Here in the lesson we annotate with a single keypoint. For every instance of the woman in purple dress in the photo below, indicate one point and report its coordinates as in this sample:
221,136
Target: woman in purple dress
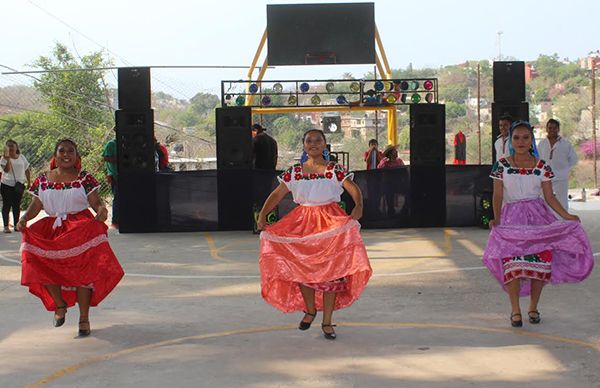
528,246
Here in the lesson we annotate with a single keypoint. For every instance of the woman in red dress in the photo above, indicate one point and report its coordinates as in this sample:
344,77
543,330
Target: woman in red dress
66,257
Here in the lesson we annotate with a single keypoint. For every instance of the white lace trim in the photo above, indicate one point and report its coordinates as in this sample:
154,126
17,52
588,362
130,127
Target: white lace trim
330,233
65,253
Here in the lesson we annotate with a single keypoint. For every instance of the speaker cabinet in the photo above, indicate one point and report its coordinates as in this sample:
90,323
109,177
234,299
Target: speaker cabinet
516,110
509,82
234,138
427,135
135,141
428,196
134,88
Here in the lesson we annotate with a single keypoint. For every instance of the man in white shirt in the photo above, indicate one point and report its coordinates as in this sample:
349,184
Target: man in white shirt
501,143
561,157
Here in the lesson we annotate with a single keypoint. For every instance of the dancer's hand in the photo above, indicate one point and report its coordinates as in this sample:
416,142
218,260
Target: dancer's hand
261,222
102,214
356,213
572,217
22,224
493,223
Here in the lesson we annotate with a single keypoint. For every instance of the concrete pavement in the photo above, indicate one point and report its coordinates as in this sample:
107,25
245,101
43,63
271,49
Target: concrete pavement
189,313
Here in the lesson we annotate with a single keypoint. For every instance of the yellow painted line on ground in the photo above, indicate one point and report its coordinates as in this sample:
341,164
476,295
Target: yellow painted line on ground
448,240
212,247
383,325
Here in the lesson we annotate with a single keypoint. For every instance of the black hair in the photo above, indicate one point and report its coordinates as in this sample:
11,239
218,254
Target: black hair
11,141
70,141
506,117
258,127
314,130
553,121
373,141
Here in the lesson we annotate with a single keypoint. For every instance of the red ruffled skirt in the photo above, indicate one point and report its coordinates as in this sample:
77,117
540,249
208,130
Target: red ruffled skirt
75,254
318,246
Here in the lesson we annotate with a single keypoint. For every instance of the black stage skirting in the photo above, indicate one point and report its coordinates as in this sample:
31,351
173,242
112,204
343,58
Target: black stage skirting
223,200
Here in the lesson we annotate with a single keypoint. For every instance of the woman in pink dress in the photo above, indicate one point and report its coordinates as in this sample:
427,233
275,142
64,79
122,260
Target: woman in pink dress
316,249
528,246
66,257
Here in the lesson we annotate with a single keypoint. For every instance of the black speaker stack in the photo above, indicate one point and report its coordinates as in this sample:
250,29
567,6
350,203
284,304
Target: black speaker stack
234,168
509,95
135,152
427,164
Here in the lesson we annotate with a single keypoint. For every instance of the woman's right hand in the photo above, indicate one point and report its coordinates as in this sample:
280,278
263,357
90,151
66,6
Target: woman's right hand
493,223
261,222
22,224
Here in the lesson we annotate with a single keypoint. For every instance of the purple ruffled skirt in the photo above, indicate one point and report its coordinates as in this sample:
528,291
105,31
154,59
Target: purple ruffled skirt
529,227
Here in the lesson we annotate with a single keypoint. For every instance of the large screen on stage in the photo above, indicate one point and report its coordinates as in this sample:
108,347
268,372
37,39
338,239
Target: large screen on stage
307,34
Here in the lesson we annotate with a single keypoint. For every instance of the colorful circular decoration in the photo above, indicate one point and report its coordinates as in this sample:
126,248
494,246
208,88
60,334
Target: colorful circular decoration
428,85
330,87
354,87
315,100
378,86
414,85
266,101
403,85
240,100
391,98
292,100
429,97
277,88
253,88
415,98
403,98
341,99
389,86
304,87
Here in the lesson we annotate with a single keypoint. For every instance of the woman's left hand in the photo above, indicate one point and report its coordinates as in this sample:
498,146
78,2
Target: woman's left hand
356,213
102,214
572,217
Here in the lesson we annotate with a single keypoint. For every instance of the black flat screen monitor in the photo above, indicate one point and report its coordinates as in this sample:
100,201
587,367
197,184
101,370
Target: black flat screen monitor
310,34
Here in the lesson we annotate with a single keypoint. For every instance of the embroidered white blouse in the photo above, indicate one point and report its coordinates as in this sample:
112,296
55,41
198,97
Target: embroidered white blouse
521,183
63,198
315,189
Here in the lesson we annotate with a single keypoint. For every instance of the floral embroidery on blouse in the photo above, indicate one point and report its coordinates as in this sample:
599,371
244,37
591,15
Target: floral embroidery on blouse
502,164
297,174
85,180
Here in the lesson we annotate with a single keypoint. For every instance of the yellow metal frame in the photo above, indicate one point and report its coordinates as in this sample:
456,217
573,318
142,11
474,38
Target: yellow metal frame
382,66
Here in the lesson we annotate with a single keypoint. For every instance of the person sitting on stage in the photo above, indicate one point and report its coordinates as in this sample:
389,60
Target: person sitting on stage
528,247
390,158
317,247
66,257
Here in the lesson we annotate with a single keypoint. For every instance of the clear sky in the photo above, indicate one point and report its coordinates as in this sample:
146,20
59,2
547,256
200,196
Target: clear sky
426,33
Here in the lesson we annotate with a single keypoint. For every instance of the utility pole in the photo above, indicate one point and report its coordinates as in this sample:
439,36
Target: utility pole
595,62
500,45
479,112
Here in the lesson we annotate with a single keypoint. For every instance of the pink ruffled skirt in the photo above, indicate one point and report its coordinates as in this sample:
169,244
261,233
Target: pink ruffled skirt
318,246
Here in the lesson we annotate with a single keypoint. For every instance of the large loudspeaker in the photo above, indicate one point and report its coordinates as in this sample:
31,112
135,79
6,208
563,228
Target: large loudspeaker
234,138
135,141
509,81
428,195
134,88
516,110
427,135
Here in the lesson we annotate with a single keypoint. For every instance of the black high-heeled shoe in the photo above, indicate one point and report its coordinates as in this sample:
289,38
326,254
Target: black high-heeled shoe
514,323
329,336
84,332
58,322
306,325
535,319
